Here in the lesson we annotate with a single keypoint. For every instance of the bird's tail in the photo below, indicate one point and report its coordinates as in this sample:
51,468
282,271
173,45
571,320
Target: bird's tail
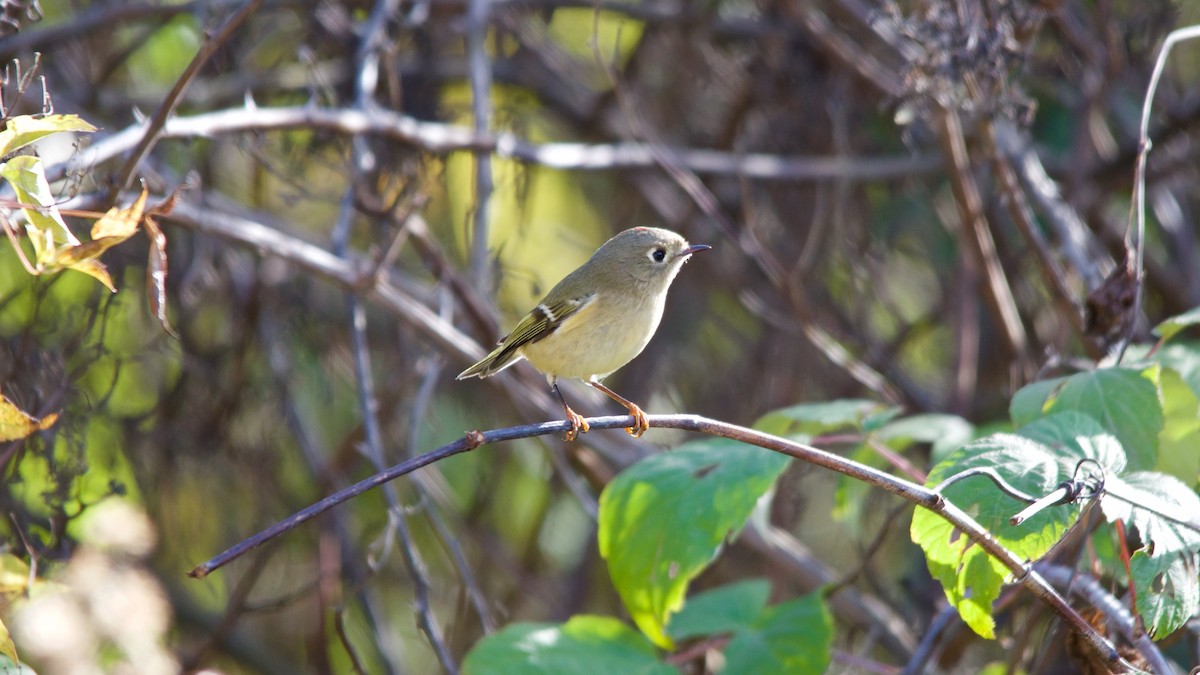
500,358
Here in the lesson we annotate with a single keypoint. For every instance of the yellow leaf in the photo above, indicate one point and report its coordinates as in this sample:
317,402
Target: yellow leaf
25,129
37,202
16,423
7,646
120,222
95,269
72,255
14,577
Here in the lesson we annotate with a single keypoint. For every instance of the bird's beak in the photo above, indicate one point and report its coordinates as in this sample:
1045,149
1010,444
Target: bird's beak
694,248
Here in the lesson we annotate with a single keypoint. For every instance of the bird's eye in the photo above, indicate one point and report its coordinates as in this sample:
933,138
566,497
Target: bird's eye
658,255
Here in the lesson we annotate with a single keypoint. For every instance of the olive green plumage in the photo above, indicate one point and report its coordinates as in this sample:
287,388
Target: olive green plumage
599,317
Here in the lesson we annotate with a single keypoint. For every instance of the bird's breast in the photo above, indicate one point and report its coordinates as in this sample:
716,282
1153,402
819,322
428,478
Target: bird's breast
600,338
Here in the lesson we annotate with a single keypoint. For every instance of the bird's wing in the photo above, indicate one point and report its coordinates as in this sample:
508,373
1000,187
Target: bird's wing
536,325
544,320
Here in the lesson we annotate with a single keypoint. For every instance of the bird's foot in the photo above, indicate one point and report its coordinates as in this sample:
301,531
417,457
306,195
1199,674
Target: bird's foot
640,422
578,425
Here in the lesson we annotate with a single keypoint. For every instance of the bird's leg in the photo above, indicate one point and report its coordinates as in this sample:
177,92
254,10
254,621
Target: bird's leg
578,424
640,423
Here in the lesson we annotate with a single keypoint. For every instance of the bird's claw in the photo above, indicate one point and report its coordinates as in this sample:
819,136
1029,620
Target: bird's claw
578,425
640,422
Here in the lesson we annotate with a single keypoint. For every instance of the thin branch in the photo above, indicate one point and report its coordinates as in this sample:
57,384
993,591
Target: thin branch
1021,214
481,109
947,619
808,573
438,138
1137,213
1090,589
153,127
687,180
917,494
977,237
990,473
362,162
1074,240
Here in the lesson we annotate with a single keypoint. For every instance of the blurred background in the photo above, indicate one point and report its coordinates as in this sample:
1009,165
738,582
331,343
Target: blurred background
917,203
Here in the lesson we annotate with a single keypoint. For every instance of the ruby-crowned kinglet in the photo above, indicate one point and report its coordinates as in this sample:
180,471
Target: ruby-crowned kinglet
597,318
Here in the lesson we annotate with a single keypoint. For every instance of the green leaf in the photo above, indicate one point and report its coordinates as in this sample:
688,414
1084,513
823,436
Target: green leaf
819,418
664,519
791,637
944,433
1029,403
1166,515
575,647
1182,357
1125,400
1168,591
1164,511
1179,442
1171,327
721,610
969,576
28,181
1074,436
25,129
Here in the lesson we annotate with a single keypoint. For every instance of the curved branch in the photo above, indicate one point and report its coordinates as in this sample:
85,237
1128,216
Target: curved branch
917,494
441,138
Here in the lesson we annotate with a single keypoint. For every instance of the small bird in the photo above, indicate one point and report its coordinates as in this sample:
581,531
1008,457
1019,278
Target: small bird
598,318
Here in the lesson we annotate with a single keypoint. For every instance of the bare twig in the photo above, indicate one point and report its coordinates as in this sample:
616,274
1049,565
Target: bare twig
807,572
1088,588
481,108
919,495
1137,210
362,162
945,620
150,132
977,237
441,138
1021,214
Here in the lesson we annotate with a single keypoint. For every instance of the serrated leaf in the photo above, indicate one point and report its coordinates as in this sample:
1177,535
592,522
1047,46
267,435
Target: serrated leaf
969,576
1074,436
819,418
1171,327
1168,590
791,637
1166,515
1163,510
664,519
22,130
576,647
721,610
16,423
1125,400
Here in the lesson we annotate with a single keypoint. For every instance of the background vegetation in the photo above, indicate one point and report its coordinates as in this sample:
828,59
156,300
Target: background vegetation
917,209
